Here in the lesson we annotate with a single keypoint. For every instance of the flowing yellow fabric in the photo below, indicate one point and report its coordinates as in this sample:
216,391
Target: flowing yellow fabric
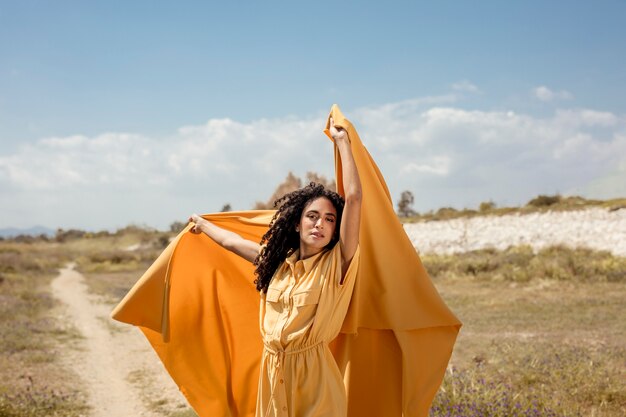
198,307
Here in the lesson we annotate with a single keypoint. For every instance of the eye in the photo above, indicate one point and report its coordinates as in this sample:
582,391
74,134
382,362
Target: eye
330,220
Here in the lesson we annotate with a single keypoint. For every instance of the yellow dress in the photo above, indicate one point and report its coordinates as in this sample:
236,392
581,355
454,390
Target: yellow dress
302,312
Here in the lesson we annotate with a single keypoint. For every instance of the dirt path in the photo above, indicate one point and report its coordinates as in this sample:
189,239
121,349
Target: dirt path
122,374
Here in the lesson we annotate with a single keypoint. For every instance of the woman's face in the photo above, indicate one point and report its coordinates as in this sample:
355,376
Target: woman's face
317,226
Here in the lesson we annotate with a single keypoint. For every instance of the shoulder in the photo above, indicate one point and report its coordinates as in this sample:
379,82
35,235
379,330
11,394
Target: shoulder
333,251
336,253
332,256
343,271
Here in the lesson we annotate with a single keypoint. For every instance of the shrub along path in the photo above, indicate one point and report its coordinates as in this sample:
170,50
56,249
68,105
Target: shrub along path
115,362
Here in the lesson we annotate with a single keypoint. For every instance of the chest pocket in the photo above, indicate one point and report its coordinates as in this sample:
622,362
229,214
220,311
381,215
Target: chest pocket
273,295
306,297
273,310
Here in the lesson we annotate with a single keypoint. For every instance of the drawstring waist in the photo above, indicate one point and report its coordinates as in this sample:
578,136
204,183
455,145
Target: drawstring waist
280,356
282,352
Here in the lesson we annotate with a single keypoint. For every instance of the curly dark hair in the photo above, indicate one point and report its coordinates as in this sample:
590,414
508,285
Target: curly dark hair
282,239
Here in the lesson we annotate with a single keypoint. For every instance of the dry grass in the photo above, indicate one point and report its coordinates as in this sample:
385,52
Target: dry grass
540,347
539,204
130,250
31,381
155,402
112,286
521,264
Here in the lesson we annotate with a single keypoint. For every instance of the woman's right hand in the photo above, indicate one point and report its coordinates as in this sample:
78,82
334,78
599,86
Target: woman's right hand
337,133
197,221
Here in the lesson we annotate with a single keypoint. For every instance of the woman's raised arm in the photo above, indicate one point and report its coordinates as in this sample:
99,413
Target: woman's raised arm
351,217
231,241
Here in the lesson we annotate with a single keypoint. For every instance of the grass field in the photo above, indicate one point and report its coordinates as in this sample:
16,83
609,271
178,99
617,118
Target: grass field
33,333
543,333
541,348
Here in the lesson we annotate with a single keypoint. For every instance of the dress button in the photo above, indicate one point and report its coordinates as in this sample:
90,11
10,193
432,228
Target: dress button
281,381
285,408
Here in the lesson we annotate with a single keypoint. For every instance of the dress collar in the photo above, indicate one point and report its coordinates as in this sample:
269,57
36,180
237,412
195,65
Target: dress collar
292,260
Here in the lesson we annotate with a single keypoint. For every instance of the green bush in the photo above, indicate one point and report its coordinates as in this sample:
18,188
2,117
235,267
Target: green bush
544,200
486,206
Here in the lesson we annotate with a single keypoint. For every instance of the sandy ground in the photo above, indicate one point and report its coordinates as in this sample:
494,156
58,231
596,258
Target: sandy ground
121,373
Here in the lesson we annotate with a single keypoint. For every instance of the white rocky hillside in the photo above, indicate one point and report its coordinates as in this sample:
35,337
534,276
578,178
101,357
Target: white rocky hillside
596,228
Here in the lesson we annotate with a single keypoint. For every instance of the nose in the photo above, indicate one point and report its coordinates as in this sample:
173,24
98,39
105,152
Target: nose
319,224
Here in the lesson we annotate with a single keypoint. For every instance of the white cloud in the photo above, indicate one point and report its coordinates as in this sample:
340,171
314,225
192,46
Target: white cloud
59,163
444,154
543,93
439,165
612,183
586,117
465,86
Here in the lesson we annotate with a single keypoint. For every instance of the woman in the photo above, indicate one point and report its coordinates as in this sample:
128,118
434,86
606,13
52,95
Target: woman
306,266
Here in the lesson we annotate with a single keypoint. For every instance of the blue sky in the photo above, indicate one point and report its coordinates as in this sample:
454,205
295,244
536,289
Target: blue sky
124,112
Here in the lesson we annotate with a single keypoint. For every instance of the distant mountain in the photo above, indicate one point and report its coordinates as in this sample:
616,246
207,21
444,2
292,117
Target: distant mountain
32,231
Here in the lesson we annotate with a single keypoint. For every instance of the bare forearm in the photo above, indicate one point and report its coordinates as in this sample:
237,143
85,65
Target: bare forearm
220,236
350,176
231,241
351,217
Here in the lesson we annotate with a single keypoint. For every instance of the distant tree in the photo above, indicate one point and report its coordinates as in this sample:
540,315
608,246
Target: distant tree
544,200
226,207
446,213
22,238
65,235
292,183
405,204
162,241
487,205
177,226
321,179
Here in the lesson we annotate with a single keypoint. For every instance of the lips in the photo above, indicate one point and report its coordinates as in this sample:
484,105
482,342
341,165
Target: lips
316,234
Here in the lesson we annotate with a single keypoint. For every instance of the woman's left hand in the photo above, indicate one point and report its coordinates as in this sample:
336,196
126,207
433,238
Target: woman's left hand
337,133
